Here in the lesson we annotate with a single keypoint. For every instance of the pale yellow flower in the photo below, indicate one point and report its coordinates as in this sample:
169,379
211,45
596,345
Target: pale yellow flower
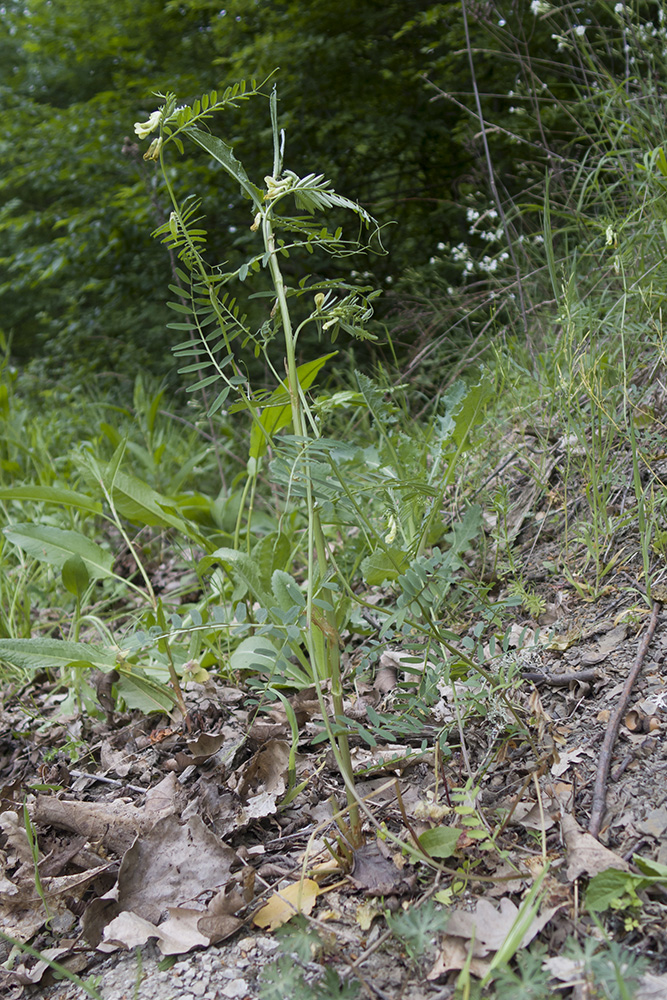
143,129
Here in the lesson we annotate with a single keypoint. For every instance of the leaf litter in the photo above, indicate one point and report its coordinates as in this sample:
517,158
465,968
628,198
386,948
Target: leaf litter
187,839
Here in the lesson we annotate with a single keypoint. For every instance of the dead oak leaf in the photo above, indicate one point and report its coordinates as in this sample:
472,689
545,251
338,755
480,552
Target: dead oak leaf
115,824
171,865
490,926
585,854
186,928
454,955
488,929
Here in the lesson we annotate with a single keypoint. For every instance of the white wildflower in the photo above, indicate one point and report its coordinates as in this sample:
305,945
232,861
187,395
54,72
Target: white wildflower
540,7
144,129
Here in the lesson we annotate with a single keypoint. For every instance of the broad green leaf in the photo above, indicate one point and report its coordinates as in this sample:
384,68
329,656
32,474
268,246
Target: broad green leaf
224,154
141,693
54,654
611,886
286,591
256,653
240,567
52,494
270,553
382,566
75,575
140,504
56,545
615,887
259,654
650,867
440,841
277,411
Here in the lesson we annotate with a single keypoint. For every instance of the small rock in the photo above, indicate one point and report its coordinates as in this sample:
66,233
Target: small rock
246,943
199,988
236,988
267,945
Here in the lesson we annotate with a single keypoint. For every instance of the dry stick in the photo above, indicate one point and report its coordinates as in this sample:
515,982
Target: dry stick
560,680
604,763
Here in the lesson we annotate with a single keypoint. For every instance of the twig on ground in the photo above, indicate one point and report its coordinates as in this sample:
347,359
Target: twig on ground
103,780
560,680
604,763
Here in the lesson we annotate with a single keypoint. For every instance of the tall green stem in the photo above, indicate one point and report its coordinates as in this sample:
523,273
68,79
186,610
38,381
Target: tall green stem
322,636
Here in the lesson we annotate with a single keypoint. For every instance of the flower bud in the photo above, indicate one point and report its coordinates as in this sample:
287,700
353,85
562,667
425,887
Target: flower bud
153,151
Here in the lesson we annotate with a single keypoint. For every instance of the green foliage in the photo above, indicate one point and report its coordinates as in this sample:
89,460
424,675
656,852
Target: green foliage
79,278
291,974
617,890
530,980
416,928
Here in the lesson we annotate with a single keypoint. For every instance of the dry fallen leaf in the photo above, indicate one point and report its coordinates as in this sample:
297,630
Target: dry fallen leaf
454,955
585,854
490,926
17,835
367,912
376,873
487,928
22,910
300,897
165,869
605,646
567,757
114,824
171,865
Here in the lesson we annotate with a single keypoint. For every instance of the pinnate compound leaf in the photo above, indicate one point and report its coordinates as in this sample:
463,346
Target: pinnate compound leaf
466,530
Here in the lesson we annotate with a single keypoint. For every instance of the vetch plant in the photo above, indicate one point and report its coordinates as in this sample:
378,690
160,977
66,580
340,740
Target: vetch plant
306,617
